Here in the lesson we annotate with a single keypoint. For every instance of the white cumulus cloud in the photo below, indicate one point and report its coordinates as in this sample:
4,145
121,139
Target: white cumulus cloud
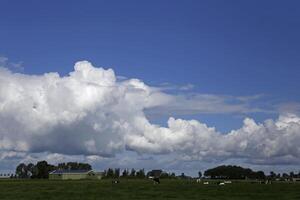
90,112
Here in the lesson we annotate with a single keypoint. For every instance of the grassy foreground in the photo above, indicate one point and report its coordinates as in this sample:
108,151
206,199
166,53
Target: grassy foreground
143,189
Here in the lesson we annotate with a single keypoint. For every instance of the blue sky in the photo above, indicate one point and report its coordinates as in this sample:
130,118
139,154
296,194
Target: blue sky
232,47
223,48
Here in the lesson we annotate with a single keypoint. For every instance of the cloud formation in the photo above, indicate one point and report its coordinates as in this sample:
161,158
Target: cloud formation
270,142
90,112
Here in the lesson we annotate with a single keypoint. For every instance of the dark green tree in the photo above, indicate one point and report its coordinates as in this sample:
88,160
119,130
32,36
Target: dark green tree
260,175
125,173
30,170
272,175
233,172
285,176
74,166
132,173
43,169
182,176
140,173
199,174
164,175
109,173
172,175
21,171
117,173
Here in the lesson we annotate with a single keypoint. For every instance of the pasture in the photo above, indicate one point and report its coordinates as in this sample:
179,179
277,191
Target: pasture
143,189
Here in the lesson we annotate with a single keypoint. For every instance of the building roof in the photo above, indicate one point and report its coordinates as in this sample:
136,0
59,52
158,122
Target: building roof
66,171
155,172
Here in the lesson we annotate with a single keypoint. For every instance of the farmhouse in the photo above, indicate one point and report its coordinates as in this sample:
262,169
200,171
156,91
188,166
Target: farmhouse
74,174
154,173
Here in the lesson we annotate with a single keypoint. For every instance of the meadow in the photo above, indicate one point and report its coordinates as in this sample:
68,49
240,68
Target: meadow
144,189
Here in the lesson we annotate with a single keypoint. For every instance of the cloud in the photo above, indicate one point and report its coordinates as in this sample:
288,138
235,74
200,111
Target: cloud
4,62
187,87
270,142
91,113
169,87
87,112
191,104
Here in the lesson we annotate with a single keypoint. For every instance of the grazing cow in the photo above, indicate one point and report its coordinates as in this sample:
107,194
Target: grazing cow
268,182
155,179
154,175
115,181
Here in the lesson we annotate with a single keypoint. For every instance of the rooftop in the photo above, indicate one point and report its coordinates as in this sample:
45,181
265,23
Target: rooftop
66,171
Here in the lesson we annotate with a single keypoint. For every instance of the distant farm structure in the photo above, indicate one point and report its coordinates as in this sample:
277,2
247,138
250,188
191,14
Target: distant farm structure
74,174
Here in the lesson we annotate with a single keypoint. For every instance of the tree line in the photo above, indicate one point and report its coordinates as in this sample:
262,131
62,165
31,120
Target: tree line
41,169
237,172
233,172
134,173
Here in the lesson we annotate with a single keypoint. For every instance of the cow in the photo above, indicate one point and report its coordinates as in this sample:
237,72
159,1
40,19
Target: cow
116,181
155,179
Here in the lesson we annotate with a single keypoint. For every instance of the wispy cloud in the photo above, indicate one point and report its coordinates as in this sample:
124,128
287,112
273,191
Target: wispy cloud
172,87
187,87
13,66
195,103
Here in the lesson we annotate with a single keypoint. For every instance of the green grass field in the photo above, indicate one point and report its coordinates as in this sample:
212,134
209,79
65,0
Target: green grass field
143,189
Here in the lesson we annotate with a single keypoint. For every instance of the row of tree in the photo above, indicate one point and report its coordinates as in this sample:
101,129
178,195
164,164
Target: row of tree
290,175
133,173
41,169
237,172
